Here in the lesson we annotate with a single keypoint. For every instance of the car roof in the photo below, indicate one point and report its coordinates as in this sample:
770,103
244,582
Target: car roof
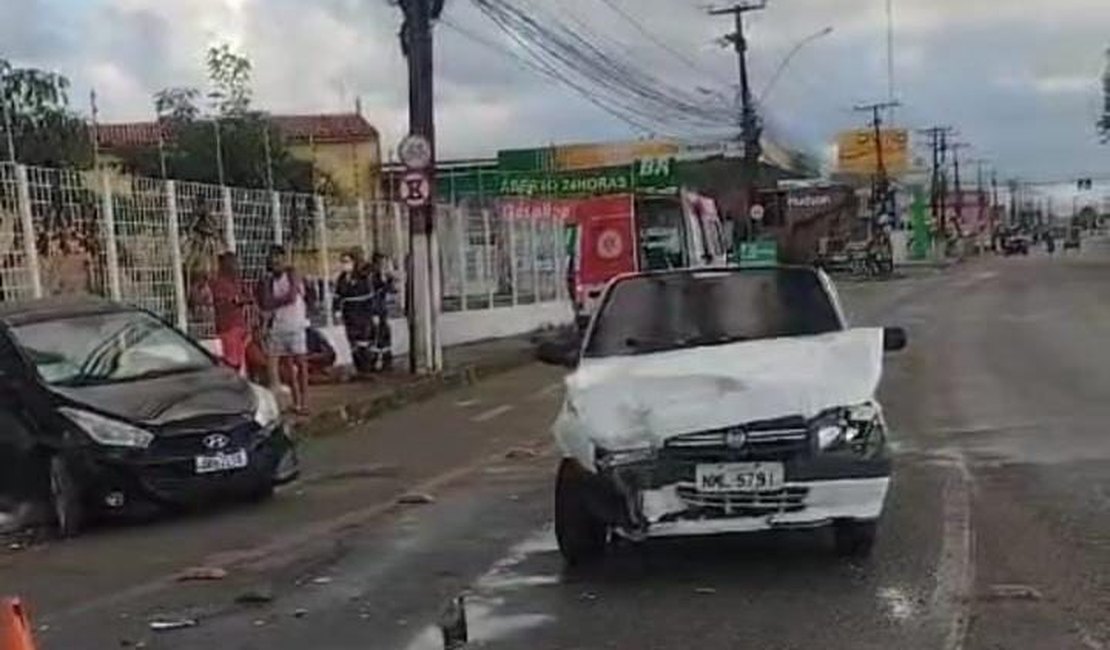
702,270
23,312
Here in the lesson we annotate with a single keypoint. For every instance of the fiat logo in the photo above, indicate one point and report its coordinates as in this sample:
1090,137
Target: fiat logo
735,438
216,441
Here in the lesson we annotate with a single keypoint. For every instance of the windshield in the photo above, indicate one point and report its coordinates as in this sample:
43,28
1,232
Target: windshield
681,310
107,348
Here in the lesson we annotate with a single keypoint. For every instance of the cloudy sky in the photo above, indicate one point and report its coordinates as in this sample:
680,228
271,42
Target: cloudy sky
1018,78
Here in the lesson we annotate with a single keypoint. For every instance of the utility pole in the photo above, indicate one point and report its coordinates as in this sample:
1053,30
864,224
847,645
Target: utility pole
937,136
749,120
955,147
416,44
880,193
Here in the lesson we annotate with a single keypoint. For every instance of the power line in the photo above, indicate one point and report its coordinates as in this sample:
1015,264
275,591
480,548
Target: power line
690,63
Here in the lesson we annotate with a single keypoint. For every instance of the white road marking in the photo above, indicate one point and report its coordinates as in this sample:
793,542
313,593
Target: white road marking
951,599
546,391
494,412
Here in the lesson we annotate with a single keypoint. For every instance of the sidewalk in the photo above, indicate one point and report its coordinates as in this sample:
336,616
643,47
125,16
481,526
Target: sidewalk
340,406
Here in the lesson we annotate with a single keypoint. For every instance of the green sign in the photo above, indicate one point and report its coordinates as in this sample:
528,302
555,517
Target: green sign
759,253
644,175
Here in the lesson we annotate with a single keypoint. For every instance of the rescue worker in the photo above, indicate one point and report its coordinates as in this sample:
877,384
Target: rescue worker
383,285
354,297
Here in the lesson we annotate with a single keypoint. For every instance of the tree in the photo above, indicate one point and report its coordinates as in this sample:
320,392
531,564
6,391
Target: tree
230,76
44,131
190,151
1104,121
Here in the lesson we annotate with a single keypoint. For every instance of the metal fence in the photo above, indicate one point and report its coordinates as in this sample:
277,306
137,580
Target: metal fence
154,243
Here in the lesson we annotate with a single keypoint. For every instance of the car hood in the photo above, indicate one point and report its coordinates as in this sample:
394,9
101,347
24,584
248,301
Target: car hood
162,400
622,402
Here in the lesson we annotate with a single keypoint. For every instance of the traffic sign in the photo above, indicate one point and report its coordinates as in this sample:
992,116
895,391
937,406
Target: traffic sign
757,212
415,151
610,244
416,190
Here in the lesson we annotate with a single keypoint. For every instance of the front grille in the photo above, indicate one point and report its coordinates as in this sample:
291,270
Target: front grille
787,499
187,439
779,439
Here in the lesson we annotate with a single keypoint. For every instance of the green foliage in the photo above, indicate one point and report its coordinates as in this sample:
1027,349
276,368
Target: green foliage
1104,121
230,76
43,128
177,104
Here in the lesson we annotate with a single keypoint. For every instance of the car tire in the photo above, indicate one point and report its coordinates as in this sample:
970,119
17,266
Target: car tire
855,539
581,535
66,499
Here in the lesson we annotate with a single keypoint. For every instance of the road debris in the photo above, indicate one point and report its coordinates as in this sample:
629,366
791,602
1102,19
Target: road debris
300,613
521,453
202,573
322,580
1013,592
256,596
705,591
170,624
416,499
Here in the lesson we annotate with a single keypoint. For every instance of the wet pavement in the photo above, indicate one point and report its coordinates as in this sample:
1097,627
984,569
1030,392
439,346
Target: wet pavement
996,533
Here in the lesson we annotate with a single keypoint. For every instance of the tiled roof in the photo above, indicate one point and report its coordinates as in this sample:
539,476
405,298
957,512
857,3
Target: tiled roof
298,129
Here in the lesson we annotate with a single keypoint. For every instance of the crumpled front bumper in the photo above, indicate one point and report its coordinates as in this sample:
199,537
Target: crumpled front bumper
671,511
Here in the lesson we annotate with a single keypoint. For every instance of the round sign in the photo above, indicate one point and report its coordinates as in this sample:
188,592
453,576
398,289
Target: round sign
415,189
415,151
610,244
757,212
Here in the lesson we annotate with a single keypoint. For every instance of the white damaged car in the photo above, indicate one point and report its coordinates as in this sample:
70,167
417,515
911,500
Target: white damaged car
722,401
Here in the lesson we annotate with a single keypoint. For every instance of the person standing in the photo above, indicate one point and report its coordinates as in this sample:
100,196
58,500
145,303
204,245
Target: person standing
283,296
229,308
383,285
354,296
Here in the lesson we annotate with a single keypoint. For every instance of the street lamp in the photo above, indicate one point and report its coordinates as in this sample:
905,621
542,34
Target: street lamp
790,57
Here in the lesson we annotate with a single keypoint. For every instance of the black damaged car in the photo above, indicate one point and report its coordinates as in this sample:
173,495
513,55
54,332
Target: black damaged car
105,407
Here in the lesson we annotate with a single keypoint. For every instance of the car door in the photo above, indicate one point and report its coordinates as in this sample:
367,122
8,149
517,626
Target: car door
17,441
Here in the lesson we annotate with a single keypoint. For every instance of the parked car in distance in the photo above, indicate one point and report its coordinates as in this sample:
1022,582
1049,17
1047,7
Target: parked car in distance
107,407
711,401
1015,243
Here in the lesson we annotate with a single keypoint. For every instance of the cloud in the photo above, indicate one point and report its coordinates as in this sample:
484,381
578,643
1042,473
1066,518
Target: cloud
1019,79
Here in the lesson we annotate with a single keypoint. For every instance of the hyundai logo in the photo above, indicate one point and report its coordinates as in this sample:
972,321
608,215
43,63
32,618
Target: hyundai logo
735,438
216,441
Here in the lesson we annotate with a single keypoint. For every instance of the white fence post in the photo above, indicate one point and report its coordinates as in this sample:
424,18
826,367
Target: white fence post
176,260
488,278
229,220
534,253
462,219
110,243
363,235
275,215
30,249
325,263
511,223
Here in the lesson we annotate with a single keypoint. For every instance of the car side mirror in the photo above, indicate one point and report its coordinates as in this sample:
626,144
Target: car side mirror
558,353
894,339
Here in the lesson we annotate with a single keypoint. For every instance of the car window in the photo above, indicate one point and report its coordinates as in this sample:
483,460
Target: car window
661,233
106,348
655,313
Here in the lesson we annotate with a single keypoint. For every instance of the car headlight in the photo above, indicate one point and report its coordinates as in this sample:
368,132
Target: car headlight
266,408
855,428
107,431
605,458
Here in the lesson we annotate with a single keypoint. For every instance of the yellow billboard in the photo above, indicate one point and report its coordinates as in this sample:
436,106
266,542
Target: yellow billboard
856,152
592,156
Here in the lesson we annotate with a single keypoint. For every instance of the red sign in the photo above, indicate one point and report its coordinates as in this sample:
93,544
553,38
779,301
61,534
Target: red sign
607,238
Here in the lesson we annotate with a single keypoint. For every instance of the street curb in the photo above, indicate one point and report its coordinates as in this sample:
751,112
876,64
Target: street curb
340,419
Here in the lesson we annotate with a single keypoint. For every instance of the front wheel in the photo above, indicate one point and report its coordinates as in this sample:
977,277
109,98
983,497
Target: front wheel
66,499
581,535
855,539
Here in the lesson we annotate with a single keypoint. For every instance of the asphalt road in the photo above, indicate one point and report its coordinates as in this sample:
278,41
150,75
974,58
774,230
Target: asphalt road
996,535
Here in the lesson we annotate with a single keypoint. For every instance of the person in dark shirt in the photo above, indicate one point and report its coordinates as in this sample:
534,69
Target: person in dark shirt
383,285
354,302
229,306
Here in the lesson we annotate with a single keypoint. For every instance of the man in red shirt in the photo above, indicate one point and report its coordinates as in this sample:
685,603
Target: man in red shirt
228,303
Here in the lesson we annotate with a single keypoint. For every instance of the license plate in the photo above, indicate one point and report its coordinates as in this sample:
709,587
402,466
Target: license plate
221,462
740,477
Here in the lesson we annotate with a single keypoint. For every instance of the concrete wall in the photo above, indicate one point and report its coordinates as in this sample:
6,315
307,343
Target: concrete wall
461,327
